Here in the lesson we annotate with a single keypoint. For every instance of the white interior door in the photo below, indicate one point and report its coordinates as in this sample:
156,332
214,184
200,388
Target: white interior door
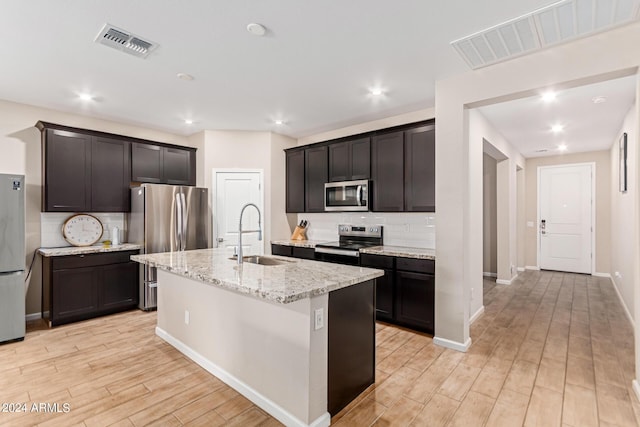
233,191
565,221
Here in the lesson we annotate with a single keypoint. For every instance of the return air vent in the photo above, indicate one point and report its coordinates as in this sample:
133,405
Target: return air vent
125,41
562,21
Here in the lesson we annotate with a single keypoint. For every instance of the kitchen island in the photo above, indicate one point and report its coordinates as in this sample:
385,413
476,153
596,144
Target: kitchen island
296,338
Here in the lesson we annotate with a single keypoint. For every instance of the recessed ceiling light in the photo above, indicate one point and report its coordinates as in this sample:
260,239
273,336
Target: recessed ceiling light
598,99
549,96
188,122
562,147
256,29
557,128
85,96
376,91
185,76
278,122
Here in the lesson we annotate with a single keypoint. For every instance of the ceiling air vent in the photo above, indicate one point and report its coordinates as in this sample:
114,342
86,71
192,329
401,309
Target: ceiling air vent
553,24
125,41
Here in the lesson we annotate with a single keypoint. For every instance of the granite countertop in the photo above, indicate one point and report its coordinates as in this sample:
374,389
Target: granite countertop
293,280
401,251
81,250
298,243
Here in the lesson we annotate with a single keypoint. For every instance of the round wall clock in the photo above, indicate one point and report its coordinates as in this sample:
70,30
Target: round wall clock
82,230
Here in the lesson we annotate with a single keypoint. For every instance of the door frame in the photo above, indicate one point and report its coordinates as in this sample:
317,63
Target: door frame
214,196
592,165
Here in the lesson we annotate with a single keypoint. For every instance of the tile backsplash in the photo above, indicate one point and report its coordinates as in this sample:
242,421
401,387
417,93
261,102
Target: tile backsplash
417,230
51,227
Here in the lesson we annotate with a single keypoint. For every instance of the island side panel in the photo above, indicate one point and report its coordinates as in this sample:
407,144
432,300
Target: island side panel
352,330
273,348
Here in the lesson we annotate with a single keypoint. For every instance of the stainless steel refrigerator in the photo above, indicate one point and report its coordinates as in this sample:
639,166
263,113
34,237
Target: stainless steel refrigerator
167,218
12,256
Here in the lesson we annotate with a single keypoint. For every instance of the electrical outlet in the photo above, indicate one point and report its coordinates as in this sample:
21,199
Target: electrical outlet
318,319
187,317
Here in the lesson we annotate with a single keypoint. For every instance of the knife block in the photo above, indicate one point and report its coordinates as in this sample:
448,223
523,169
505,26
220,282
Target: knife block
299,233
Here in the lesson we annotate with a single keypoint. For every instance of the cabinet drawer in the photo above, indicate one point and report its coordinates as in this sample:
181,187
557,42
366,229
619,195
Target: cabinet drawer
304,253
91,260
417,265
376,261
281,250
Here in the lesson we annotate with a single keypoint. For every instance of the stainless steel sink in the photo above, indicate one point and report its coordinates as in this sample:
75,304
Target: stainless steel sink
262,260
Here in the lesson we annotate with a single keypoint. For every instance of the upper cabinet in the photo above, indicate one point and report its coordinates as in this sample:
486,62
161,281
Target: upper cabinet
89,171
316,175
163,165
349,160
295,181
400,162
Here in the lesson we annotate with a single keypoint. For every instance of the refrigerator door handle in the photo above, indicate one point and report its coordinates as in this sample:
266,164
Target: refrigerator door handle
183,212
179,226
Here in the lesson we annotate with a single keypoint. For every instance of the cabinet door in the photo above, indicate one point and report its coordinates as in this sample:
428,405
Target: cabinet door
420,169
295,181
339,162
303,253
316,175
74,294
118,286
281,250
415,299
384,296
179,166
67,172
360,157
110,175
146,163
387,172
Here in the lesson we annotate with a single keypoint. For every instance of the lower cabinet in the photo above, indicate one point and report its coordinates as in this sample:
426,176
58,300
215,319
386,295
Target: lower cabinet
293,251
78,287
405,294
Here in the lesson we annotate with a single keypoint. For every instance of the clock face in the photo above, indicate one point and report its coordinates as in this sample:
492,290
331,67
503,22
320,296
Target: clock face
82,230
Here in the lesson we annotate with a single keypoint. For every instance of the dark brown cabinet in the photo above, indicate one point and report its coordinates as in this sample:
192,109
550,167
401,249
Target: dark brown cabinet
295,181
162,165
349,160
316,175
415,293
420,169
293,251
78,287
387,172
385,292
84,173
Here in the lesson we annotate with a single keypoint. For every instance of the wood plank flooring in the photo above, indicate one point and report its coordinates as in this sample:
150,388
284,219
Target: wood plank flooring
552,349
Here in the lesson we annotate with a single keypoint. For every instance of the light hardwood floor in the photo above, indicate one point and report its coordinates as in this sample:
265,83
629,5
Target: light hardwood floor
551,349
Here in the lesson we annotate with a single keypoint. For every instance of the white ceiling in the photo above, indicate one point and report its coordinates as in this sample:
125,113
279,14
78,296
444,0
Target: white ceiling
312,69
526,123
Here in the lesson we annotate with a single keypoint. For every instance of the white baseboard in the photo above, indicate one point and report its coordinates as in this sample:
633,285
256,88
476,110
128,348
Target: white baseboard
453,345
477,314
596,274
247,391
487,274
33,316
532,267
636,388
626,309
504,282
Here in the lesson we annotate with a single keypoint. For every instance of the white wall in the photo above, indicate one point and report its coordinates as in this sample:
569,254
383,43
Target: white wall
252,150
622,218
459,239
21,154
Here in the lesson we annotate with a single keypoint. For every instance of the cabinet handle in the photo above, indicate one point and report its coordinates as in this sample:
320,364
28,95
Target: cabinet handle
81,256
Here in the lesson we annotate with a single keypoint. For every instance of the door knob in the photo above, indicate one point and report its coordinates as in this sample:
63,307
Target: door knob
543,226
220,239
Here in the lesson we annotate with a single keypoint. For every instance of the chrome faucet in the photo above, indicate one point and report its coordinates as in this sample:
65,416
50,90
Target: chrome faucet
240,232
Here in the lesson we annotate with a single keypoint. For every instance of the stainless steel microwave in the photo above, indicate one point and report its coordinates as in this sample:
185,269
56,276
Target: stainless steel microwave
347,196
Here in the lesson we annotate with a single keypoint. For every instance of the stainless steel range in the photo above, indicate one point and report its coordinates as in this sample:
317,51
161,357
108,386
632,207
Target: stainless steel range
352,238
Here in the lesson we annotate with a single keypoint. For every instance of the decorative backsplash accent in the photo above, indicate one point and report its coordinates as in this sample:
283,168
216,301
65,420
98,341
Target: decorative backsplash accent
51,227
416,230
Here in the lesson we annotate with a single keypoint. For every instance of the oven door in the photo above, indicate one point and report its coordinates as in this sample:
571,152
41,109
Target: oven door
337,256
346,196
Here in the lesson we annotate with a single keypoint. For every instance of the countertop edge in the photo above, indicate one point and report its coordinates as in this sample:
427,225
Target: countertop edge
82,250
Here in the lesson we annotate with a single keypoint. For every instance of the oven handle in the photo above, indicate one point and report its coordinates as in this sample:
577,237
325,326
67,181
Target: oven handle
337,252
